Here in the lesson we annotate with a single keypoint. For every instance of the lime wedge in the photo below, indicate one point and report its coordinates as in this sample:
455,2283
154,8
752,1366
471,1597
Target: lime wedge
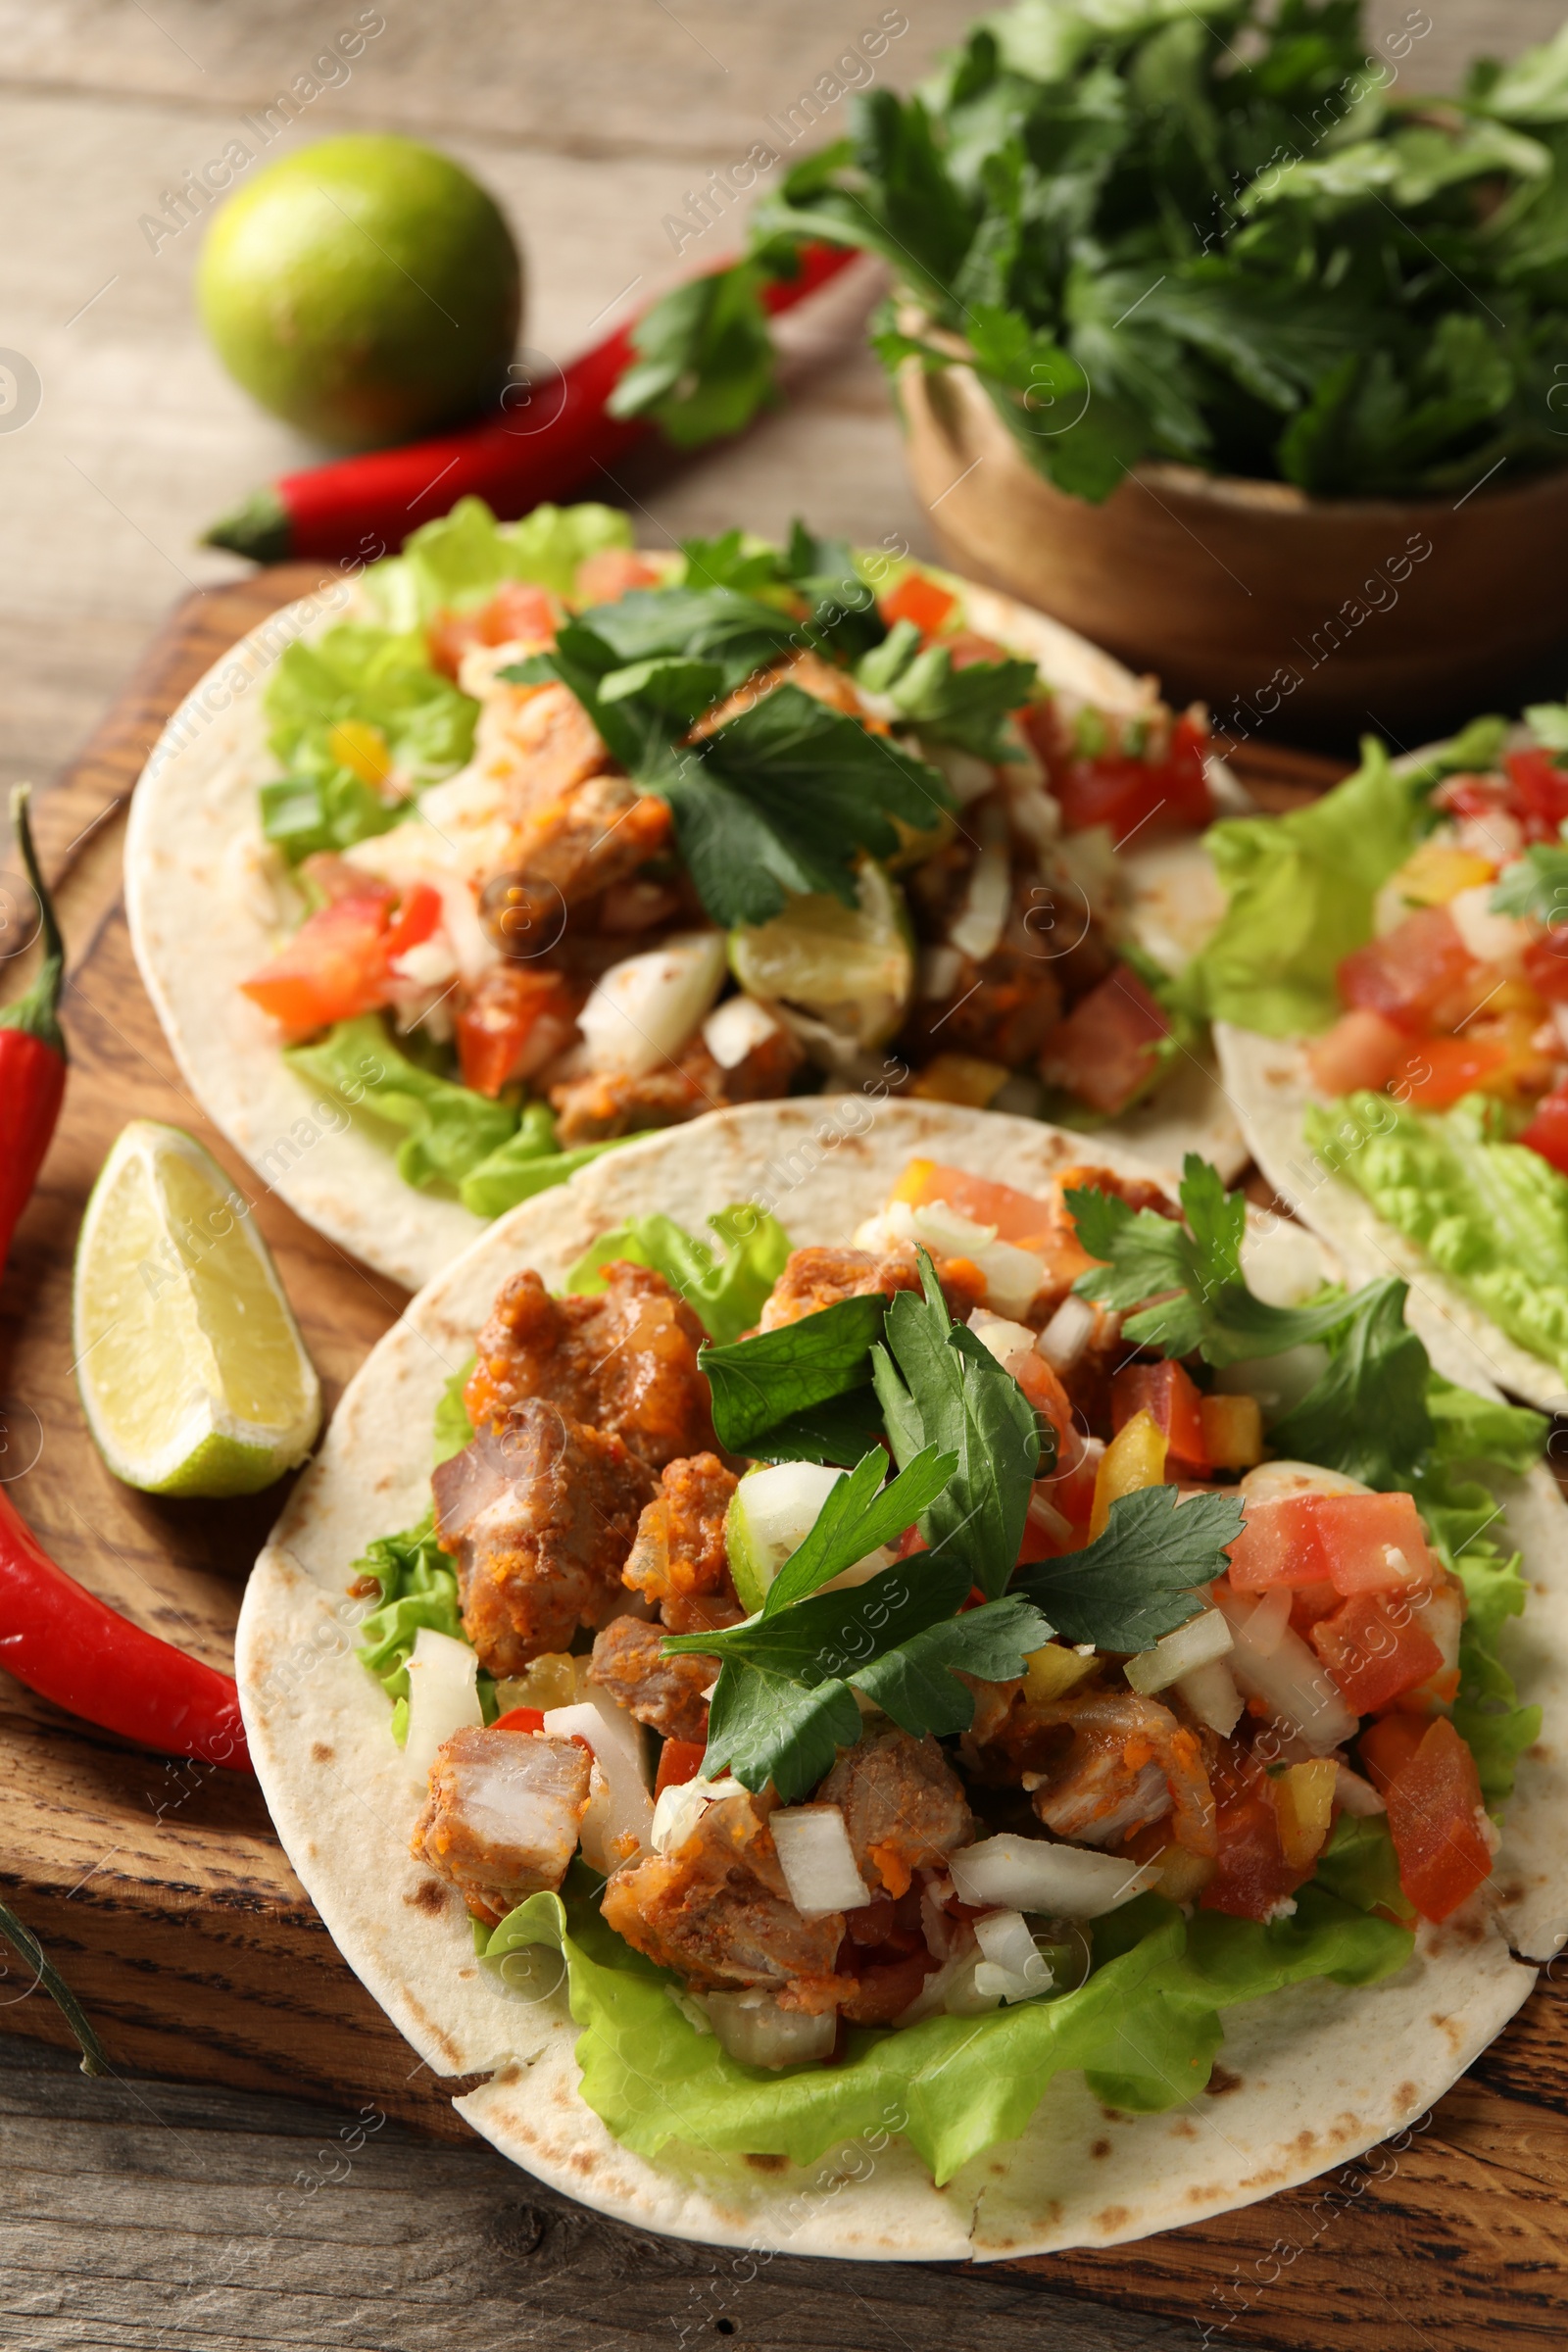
193,1375
839,976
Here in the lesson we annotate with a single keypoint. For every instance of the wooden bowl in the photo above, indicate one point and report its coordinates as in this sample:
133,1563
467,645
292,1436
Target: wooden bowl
1313,617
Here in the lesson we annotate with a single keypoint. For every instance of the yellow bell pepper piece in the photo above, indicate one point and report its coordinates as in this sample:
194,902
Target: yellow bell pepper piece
362,749
1233,1431
1303,1800
961,1078
1050,1673
1134,1458
1437,873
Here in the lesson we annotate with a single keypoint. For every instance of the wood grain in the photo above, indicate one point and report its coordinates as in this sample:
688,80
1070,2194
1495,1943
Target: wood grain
162,1892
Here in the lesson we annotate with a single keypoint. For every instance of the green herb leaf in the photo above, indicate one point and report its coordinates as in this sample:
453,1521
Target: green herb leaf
725,1289
1140,1579
938,1385
759,1382
1536,886
705,357
858,1517
1367,1416
764,1725
918,1684
966,706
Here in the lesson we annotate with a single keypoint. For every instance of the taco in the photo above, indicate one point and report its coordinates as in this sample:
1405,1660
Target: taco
447,881
1389,990
1161,1707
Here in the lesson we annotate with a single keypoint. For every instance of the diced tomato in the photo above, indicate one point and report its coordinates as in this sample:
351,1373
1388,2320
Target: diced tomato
333,967
1374,1650
516,611
1548,1131
519,1718
1412,975
679,1762
1071,1488
1357,1542
917,599
606,575
1361,1050
1310,1603
1538,792
517,1018
1044,1393
1546,962
1018,1218
419,915
1437,1823
1106,1049
1252,1877
1121,790
1387,1745
1167,1395
1447,1067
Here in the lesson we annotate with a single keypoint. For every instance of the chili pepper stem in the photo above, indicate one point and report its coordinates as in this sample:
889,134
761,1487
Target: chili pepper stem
37,1012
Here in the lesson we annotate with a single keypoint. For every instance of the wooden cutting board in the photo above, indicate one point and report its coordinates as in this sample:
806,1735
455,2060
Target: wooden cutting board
160,1892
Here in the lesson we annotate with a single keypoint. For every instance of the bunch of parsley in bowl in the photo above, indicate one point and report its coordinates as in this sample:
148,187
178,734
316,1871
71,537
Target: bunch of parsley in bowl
1211,340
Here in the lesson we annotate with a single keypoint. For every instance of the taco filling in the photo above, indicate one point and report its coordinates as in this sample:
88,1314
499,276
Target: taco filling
1424,952
572,843
900,1671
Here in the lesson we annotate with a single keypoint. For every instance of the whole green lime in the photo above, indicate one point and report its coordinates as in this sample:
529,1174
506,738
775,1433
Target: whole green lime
367,289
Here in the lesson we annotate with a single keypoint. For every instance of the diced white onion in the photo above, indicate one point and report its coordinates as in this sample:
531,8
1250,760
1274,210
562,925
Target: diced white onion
1269,1622
736,1029
1007,1942
681,1808
754,2029
1288,1677
1211,1693
431,964
1198,1642
644,1009
620,1807
1272,1480
1012,1277
939,971
1283,1263
1031,1873
1087,862
977,933
443,1694
1354,1795
818,1860
1067,1334
1497,939
1004,1338
971,778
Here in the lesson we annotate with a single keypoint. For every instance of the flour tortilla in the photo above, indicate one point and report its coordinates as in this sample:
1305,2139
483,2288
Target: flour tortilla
203,918
1319,2072
1268,1079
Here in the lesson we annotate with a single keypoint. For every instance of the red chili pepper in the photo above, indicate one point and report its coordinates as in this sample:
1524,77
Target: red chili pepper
372,502
33,1052
67,1646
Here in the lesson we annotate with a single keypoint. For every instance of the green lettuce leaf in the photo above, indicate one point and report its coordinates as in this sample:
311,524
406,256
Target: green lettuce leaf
460,559
1467,1428
526,1163
726,1289
418,1587
383,679
1492,1215
1145,2026
1359,1864
451,1130
453,1428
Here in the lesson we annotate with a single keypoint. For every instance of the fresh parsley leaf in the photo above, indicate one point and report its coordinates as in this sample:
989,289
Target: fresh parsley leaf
838,1431
759,1382
965,707
917,1684
763,1726
1536,886
681,689
1197,1264
857,1518
1367,1416
843,620
705,357
786,798
726,562
1139,1580
938,1385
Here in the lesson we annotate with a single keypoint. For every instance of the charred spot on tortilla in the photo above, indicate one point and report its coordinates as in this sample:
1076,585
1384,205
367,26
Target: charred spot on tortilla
321,1751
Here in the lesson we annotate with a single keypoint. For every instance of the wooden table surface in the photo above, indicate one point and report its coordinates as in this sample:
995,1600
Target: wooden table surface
140,2214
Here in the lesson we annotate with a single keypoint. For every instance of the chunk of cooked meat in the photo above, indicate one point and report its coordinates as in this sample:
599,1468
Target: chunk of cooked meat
623,1360
502,1818
666,1692
611,1103
820,1277
539,1513
678,1560
565,852
539,738
1099,1764
718,1912
518,1017
823,680
904,1807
